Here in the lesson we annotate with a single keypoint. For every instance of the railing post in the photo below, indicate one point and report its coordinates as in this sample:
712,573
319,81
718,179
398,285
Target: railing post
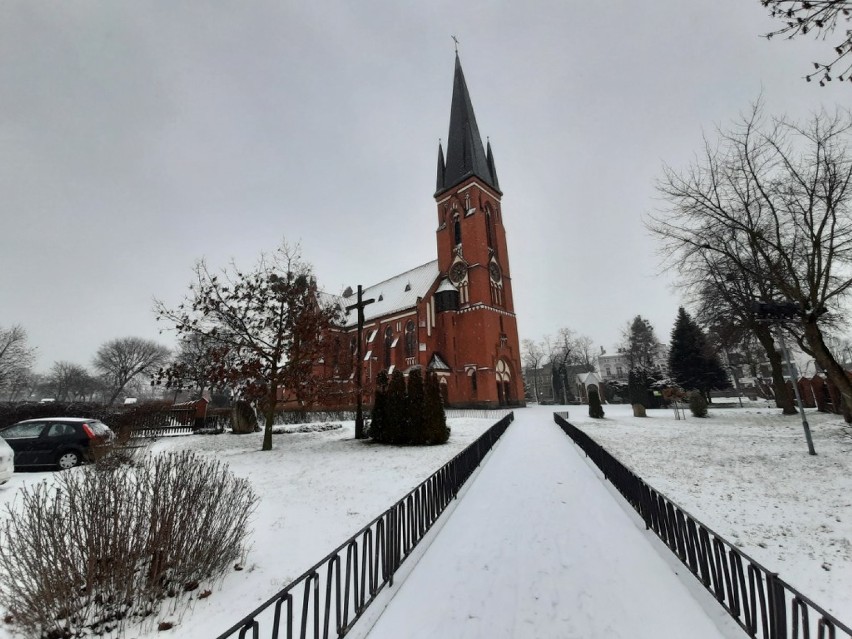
777,607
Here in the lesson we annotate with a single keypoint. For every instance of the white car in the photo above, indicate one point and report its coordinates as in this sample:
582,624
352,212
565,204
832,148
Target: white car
7,461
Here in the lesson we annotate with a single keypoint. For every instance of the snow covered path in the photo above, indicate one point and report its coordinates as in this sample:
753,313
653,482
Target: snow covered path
538,547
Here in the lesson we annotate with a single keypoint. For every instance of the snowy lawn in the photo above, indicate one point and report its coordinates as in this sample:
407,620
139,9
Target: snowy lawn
315,491
746,474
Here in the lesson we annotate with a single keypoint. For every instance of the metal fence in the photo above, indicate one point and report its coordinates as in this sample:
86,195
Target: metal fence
758,599
455,413
330,597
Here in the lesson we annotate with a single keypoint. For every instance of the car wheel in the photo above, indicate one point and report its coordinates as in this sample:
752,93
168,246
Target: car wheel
68,459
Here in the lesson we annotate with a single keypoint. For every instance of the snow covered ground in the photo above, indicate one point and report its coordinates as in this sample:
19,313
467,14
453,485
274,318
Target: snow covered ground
746,474
316,490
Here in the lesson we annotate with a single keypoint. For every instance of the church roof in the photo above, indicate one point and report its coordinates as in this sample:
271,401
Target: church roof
466,157
395,294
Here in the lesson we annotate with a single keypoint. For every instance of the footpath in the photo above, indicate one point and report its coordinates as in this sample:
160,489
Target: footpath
539,547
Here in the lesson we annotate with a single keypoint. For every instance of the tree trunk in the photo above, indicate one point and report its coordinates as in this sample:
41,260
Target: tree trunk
783,396
269,416
833,370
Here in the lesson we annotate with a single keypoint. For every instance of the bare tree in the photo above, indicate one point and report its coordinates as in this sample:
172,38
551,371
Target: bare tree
121,360
774,198
16,357
533,353
71,381
724,293
820,18
265,330
567,353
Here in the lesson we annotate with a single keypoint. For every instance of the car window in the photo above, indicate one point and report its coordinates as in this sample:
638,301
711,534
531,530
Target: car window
19,431
60,430
99,428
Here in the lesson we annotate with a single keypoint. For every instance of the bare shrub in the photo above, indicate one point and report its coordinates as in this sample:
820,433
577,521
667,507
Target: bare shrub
106,545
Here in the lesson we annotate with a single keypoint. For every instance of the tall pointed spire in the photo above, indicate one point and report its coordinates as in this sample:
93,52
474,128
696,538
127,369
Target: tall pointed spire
466,156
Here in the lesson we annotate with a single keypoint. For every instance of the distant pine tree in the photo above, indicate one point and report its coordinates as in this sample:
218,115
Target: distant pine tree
691,361
595,408
379,418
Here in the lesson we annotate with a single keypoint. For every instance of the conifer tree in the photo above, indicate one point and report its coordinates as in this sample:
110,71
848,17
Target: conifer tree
640,347
691,362
396,410
379,417
416,407
595,408
436,419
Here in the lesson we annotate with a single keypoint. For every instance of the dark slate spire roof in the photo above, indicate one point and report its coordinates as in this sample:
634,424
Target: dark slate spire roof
466,156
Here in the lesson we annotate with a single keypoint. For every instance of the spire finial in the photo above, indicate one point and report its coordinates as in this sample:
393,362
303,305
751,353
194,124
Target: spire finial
456,41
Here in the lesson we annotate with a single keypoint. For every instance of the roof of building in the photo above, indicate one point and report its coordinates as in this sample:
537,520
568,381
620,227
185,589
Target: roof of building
395,294
466,157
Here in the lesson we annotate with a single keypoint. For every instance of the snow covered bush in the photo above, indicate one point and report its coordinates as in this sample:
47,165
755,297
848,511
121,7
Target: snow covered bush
104,546
697,403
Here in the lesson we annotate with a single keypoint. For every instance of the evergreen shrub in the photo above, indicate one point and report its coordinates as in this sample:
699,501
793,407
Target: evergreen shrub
595,408
408,414
697,403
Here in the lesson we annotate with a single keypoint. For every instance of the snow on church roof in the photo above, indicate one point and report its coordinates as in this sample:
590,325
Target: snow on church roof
395,294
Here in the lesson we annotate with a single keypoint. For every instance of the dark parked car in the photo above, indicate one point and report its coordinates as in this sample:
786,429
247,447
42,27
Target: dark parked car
57,441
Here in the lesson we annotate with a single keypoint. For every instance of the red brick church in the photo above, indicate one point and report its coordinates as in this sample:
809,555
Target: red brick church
453,316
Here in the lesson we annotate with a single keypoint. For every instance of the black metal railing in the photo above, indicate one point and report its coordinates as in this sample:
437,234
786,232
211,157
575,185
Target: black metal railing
330,597
479,413
758,599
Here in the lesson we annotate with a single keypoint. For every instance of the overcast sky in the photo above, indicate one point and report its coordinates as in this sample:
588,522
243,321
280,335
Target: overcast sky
137,137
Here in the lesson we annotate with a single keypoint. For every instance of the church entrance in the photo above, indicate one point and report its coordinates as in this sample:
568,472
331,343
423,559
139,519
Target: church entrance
504,384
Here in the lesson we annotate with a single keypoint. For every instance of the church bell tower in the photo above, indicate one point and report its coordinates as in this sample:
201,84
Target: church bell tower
473,259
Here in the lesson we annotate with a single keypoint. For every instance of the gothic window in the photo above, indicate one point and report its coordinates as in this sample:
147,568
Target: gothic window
489,232
388,346
335,355
410,339
353,347
457,229
504,386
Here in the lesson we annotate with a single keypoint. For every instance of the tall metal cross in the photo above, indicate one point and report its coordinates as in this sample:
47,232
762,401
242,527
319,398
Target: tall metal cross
456,40
359,411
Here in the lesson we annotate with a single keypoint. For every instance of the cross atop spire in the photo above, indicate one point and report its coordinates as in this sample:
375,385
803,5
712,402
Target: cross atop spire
466,155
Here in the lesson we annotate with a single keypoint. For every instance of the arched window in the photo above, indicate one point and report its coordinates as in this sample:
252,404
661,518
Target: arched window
504,385
353,347
335,355
410,339
457,229
388,346
489,231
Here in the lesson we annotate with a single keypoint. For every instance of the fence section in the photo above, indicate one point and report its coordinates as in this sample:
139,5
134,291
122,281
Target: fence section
759,600
330,597
456,413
